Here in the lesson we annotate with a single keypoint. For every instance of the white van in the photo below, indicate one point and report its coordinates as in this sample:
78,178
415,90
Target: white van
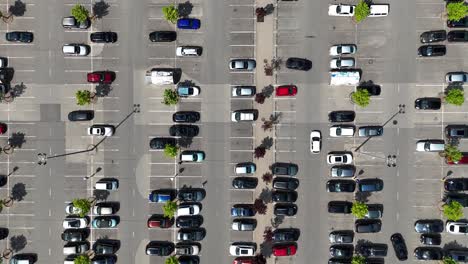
160,76
379,10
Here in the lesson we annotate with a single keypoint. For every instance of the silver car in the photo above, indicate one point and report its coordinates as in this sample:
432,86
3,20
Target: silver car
342,171
341,63
241,91
456,77
242,64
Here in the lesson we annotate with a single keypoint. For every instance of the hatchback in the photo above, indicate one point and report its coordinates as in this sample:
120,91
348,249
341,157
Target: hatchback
245,168
188,23
428,253
103,37
283,183
244,183
370,131
106,77
161,142
192,234
159,248
341,186
81,115
429,226
286,90
189,221
462,23
105,222
187,90
159,221
191,194
242,64
368,226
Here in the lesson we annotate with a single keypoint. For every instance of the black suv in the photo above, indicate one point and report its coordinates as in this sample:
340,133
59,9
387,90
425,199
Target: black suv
341,116
457,36
462,23
460,131
341,186
193,221
368,226
286,234
399,246
429,226
186,117
184,131
286,209
428,103
284,196
339,207
298,64
432,50
161,142
456,184
281,168
433,36
159,248
163,36
103,37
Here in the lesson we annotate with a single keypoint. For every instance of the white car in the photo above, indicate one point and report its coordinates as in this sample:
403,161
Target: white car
315,141
341,10
456,77
430,145
339,158
78,222
76,49
101,130
244,115
71,209
108,184
457,228
342,131
340,63
340,49
379,10
189,51
188,209
192,156
245,168
242,64
241,91
242,250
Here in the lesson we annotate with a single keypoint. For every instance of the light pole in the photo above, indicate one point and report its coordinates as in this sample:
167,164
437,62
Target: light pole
43,158
92,175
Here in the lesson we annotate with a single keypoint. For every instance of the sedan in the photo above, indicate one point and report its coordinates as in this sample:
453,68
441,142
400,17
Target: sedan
339,207
341,237
105,246
342,131
244,183
75,222
81,115
105,222
101,130
188,260
432,50
370,185
343,171
186,117
160,221
429,226
341,10
399,246
242,64
284,196
183,131
342,49
188,23
242,210
285,209
242,250
284,250
341,63
456,184
286,234
243,91
103,37
159,248
341,186
286,169
74,235
191,194
189,51
457,36
71,23
244,224
433,36
195,234
457,228
19,36
370,131
282,183
161,142
245,115
339,158
315,141
428,103
428,253
106,77
286,90
456,77
189,221
187,90
341,116
163,36
298,64
341,251
76,49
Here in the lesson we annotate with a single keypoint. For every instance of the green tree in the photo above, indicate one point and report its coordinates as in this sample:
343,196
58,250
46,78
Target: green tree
359,209
455,96
84,205
171,260
83,97
361,11
457,10
357,259
452,153
82,259
169,209
171,13
171,150
171,97
361,97
453,211
80,13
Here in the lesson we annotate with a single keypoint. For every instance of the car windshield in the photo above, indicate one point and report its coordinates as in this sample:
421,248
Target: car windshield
463,229
74,223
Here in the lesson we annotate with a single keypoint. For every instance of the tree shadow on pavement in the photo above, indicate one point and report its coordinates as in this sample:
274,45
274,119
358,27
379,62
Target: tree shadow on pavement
185,9
185,142
266,248
100,9
18,192
17,9
17,140
18,243
265,195
362,197
453,245
103,89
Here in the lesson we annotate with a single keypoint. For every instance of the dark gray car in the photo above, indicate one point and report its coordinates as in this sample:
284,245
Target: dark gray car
370,131
342,171
81,115
282,168
339,237
283,183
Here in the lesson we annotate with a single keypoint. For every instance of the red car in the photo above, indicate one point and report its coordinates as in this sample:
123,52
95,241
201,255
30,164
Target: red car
3,128
106,77
284,250
243,261
160,221
286,90
464,160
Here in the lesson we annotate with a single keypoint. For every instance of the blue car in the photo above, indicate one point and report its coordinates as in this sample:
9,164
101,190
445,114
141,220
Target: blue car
159,196
188,23
242,210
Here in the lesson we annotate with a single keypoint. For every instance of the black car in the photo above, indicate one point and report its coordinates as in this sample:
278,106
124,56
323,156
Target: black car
428,103
460,131
431,239
433,36
81,115
163,36
341,237
457,36
462,198
186,117
459,255
429,226
104,259
4,233
372,250
283,183
191,234
105,246
368,226
159,248
341,116
284,196
286,209
245,182
191,194
282,168
74,235
193,221
338,260
399,246
341,186
370,185
428,253
161,142
103,37
298,64
373,90
341,251
370,131
432,50
184,131
286,234
462,23
20,36
339,207
23,258
189,260
456,184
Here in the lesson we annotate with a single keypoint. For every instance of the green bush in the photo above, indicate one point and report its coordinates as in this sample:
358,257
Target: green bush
83,97
359,209
453,211
170,13
171,260
457,10
80,13
455,96
361,97
361,11
84,205
357,259
170,97
82,259
452,153
171,150
169,209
